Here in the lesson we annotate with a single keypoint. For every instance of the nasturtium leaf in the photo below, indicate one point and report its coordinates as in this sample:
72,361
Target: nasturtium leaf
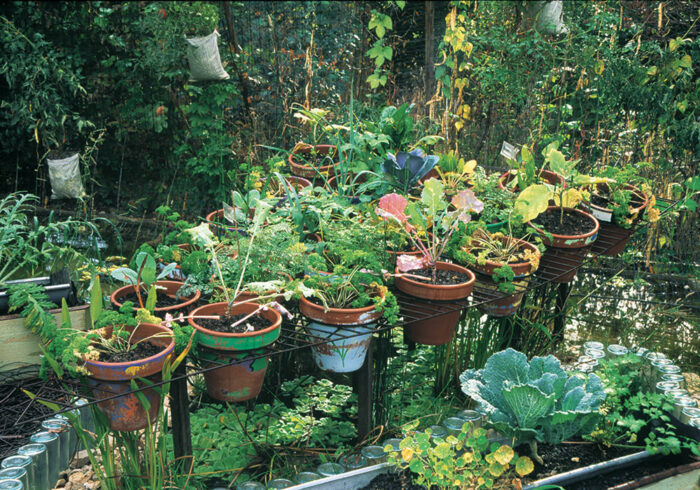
407,454
524,466
442,450
503,455
496,469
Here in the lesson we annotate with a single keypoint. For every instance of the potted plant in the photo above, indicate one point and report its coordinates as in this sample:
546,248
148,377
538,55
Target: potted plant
28,249
429,224
504,264
618,205
144,286
498,203
231,335
237,218
565,231
402,172
526,173
454,172
347,305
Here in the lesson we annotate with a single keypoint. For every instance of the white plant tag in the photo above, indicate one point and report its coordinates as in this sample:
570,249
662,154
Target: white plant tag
509,151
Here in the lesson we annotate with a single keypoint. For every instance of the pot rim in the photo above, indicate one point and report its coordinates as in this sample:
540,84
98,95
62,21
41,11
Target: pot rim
130,287
276,323
569,237
491,263
444,287
635,190
316,312
156,358
501,179
322,168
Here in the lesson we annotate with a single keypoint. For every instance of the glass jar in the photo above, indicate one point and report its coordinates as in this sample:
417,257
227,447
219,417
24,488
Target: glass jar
592,344
25,462
373,454
280,483
40,458
330,469
437,431
72,436
616,350
471,416
689,413
454,425
664,386
15,473
681,403
250,485
10,484
50,440
62,429
595,353
695,423
353,461
679,378
306,477
394,443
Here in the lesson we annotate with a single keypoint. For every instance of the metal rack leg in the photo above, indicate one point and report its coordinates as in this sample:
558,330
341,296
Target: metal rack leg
179,404
363,386
563,291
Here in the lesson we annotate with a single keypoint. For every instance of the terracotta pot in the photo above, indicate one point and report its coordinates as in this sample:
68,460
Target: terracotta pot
220,227
613,238
125,412
297,183
490,299
440,327
493,302
236,341
242,377
340,336
520,269
565,253
547,175
307,171
171,288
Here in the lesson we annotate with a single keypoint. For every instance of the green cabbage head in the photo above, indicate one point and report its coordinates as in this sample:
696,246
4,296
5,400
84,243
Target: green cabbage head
535,401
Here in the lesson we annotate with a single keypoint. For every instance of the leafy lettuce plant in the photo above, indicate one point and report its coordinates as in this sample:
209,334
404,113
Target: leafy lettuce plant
536,401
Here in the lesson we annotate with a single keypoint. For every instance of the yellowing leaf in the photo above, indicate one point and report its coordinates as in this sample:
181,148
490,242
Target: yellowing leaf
407,454
599,67
459,125
673,45
496,469
651,71
532,202
569,199
469,167
503,455
524,466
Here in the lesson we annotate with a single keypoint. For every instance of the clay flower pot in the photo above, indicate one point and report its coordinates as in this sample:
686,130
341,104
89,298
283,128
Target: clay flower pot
125,412
341,335
613,238
565,253
301,169
170,289
439,328
220,227
546,175
242,376
498,303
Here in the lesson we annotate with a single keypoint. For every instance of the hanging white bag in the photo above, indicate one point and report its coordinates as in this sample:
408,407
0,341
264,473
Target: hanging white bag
64,175
204,59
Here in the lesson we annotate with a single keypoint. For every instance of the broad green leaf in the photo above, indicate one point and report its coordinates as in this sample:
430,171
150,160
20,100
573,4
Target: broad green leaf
524,466
673,45
569,198
442,450
532,202
527,404
124,274
559,164
151,299
432,196
496,469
